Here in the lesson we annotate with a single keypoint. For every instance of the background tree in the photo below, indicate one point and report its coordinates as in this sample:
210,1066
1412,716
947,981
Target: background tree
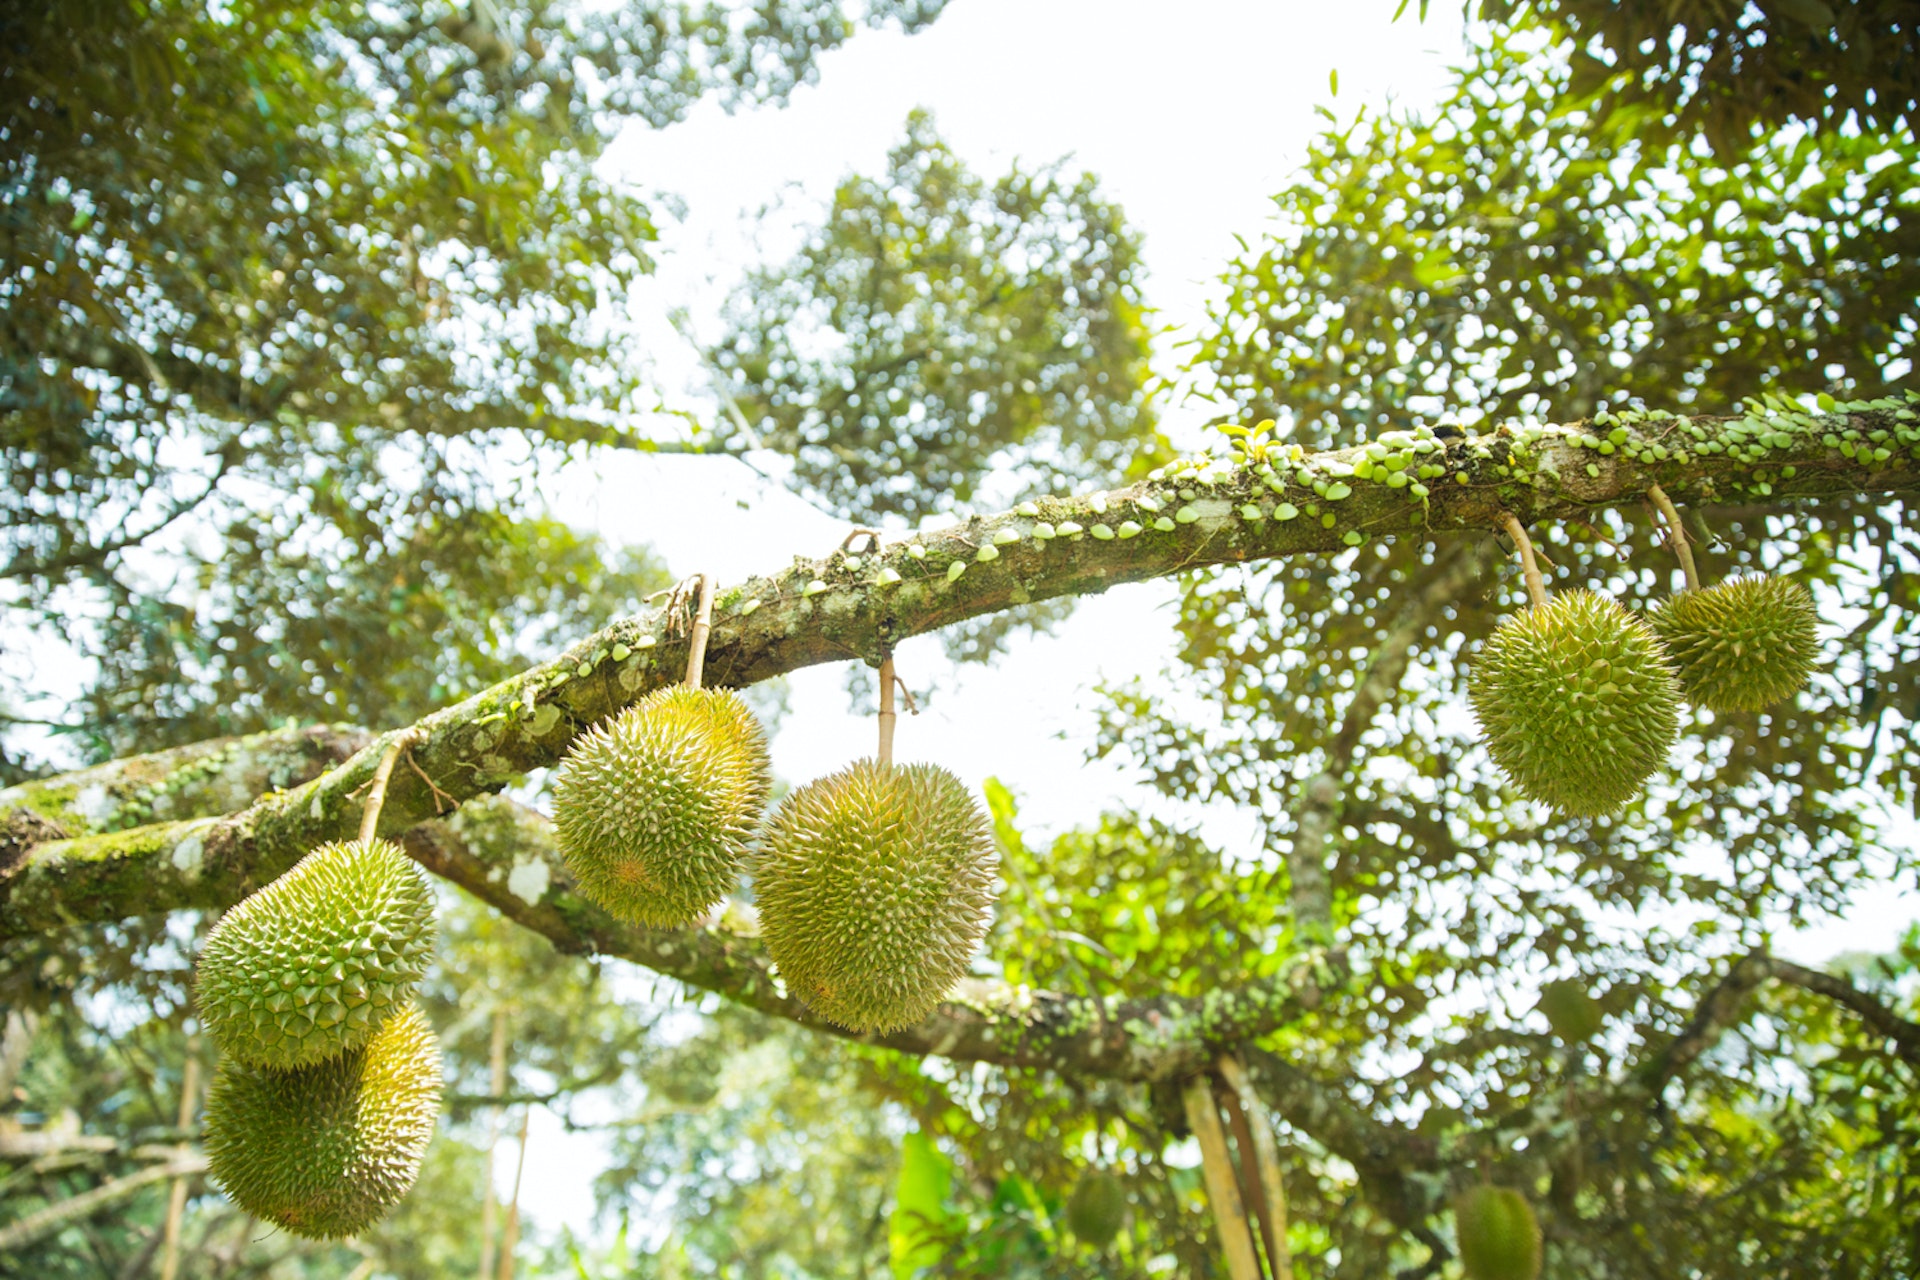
1371,949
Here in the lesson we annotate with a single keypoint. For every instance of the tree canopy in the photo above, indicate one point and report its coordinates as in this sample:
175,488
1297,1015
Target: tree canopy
302,302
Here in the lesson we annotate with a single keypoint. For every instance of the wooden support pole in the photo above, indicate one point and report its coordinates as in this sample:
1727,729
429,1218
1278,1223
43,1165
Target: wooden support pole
489,1200
1267,1155
1223,1188
177,1194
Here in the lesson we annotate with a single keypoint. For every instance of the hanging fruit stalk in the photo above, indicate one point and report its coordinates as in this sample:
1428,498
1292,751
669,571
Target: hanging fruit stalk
1676,535
1742,644
876,885
1576,700
654,810
330,1082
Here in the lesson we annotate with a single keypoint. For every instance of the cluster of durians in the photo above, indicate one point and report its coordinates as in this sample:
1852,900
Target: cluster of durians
874,884
329,1078
1579,700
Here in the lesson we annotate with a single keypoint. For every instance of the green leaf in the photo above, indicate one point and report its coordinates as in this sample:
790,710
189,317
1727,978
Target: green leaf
919,1206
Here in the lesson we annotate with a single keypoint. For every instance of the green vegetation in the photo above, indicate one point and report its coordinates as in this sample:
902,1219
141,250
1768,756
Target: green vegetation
304,305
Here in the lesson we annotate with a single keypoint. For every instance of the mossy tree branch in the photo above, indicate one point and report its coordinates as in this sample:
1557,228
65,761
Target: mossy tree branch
846,606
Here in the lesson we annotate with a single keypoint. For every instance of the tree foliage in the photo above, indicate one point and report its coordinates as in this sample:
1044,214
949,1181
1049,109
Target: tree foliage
1724,68
1317,831
937,330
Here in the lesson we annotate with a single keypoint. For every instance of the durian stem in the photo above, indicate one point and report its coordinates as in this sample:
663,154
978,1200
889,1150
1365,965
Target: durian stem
1530,567
702,628
1676,534
887,715
377,793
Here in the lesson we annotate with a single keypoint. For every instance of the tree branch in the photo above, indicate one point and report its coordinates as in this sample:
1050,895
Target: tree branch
45,1221
1725,1005
201,780
837,608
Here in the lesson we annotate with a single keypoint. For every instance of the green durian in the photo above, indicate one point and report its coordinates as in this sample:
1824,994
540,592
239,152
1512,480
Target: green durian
1097,1208
1498,1235
326,1150
1741,645
1576,701
875,886
311,965
1573,1014
654,810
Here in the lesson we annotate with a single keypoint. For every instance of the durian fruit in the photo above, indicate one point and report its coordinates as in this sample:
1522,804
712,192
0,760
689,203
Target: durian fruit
654,810
326,1150
312,964
1576,701
1097,1208
1741,645
1573,1014
1498,1235
875,886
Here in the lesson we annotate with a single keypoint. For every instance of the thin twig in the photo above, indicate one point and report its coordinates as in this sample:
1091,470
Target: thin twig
1594,529
443,802
1536,589
872,535
1676,535
177,1194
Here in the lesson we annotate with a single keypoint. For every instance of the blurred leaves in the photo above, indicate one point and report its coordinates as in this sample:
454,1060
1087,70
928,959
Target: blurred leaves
937,330
1725,69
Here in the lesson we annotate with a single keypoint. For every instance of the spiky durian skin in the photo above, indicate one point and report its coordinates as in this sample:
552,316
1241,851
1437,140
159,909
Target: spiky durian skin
875,886
326,1150
1498,1235
654,811
1570,1010
1576,702
1097,1208
1743,644
311,965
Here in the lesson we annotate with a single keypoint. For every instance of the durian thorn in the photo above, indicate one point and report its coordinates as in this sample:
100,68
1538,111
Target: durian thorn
872,536
377,793
702,628
1676,535
887,716
1530,567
